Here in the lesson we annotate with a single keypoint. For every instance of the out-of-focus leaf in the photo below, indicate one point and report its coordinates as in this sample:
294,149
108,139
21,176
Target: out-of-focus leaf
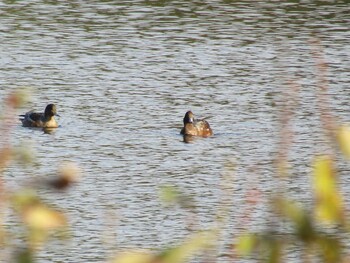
283,168
24,198
43,217
246,244
267,244
290,210
330,248
19,97
25,154
329,203
323,175
39,218
168,194
68,174
343,137
193,245
133,257
178,254
3,235
5,157
70,171
275,252
171,195
24,256
41,221
304,228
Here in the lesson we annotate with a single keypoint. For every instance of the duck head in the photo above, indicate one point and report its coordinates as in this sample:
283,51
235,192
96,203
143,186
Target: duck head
189,117
50,110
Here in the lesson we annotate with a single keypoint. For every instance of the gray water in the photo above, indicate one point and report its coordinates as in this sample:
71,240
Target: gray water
123,74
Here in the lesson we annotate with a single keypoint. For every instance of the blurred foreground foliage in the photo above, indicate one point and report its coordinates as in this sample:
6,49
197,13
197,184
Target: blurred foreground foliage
319,232
37,220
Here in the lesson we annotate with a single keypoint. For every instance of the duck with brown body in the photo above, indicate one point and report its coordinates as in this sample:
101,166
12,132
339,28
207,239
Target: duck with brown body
40,119
195,127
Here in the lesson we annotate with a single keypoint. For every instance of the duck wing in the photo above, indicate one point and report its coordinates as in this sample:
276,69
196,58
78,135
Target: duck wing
34,116
31,116
202,124
27,113
203,128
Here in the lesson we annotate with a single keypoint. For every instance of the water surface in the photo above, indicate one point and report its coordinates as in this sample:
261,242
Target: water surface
123,74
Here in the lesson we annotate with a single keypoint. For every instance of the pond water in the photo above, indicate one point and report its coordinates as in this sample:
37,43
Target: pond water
123,74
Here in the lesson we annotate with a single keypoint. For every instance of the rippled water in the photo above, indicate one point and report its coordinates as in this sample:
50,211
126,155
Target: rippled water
123,74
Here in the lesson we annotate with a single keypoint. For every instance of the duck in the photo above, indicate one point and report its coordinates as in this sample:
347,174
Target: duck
40,119
195,127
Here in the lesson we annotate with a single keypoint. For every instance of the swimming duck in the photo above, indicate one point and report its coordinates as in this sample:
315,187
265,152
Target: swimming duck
195,127
44,120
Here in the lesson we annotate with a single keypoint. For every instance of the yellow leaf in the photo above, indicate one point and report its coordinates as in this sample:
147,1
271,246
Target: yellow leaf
36,214
324,180
343,137
329,208
246,244
290,210
188,248
24,198
133,257
42,217
329,203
